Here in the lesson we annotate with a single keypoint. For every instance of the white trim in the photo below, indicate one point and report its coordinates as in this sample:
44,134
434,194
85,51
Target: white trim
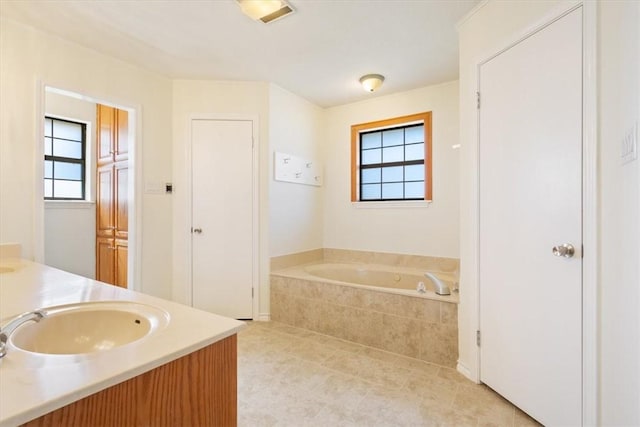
254,119
590,216
470,14
400,204
68,204
590,299
134,268
264,317
464,370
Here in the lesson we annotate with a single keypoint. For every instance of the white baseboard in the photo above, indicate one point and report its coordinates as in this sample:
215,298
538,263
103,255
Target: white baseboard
466,372
264,317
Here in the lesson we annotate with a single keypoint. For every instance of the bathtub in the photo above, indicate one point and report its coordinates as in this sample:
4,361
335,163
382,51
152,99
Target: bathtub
374,305
403,281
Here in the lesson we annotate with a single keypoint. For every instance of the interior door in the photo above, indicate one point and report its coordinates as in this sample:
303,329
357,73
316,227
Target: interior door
222,217
530,202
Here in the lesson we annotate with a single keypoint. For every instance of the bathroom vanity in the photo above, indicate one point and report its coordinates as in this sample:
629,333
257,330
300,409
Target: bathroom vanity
180,368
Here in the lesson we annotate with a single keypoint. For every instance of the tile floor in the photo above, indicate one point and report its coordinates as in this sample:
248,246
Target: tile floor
294,377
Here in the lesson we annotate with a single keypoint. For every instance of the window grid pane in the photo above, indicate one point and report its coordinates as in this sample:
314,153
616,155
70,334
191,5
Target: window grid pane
393,168
64,167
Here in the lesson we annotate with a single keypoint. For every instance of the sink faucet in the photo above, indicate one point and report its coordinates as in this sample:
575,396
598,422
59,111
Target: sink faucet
441,288
8,329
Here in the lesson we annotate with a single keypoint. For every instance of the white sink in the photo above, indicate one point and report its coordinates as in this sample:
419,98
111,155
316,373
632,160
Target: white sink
89,327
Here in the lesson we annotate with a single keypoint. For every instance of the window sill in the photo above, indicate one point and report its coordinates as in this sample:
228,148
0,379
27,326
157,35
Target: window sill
395,204
68,204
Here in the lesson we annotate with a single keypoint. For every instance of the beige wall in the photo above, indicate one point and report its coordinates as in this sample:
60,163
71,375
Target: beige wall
62,219
29,58
430,230
295,210
216,98
490,29
619,234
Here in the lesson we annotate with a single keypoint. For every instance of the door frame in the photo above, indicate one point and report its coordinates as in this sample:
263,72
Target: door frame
134,258
589,200
255,214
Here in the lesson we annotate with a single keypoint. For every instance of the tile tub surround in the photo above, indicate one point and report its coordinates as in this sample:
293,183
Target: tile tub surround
412,326
299,258
427,263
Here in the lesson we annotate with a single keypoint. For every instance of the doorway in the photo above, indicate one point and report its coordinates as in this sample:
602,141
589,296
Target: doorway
530,119
224,212
68,235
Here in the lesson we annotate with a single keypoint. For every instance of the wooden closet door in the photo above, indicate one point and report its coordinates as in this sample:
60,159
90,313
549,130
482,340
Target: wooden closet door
122,136
112,210
105,261
121,199
104,209
120,255
106,134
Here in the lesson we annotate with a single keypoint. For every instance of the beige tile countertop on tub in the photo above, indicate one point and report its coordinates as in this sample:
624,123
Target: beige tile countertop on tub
33,384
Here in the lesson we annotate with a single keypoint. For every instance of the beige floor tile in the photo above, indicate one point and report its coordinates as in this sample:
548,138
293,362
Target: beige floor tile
432,388
418,366
293,377
523,420
484,404
368,369
310,350
345,390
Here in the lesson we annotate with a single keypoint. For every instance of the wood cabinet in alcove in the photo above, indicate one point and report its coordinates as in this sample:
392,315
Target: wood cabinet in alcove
112,207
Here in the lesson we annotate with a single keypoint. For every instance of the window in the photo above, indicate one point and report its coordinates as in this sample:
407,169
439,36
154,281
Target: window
391,159
64,159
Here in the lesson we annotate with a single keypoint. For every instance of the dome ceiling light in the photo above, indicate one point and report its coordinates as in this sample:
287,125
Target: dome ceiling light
371,82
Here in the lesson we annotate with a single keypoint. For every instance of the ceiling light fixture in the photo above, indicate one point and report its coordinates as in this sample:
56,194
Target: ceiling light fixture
371,82
265,10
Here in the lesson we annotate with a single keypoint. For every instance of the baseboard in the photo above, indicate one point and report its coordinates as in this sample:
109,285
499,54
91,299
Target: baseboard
466,372
264,317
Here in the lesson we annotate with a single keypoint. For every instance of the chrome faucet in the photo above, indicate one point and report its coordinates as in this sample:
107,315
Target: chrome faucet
441,288
7,330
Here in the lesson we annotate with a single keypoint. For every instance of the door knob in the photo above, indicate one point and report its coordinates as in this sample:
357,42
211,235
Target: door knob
196,230
566,250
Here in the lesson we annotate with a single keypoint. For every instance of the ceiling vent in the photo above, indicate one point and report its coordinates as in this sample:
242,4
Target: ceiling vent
265,10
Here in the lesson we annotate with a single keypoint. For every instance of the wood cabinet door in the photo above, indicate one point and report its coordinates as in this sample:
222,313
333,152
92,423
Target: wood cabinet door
104,209
122,135
106,134
121,250
121,199
105,260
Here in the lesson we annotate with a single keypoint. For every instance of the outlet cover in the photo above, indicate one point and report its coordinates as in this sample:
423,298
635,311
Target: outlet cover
629,148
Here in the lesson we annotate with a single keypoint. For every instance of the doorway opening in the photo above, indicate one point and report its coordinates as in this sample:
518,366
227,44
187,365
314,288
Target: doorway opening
67,233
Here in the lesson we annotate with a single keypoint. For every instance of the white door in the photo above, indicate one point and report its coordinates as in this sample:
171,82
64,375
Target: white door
531,201
222,216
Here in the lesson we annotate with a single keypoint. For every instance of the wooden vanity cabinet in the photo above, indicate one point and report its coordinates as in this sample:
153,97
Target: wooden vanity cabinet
199,389
112,207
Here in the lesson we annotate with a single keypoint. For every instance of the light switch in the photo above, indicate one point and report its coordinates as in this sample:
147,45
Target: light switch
629,148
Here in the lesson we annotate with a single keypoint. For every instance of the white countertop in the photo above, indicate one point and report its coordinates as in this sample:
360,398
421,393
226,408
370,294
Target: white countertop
32,384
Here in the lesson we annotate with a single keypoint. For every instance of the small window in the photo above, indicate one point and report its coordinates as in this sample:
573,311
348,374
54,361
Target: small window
391,159
64,159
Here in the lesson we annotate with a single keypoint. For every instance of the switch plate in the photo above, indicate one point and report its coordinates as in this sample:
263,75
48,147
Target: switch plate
629,147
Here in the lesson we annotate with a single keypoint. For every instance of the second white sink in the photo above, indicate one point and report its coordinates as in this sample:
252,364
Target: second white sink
89,327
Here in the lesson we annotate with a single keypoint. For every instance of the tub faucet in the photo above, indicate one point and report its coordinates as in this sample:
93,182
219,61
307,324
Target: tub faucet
441,288
7,330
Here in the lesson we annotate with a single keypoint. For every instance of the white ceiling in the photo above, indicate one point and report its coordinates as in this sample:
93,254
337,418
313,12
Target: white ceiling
319,52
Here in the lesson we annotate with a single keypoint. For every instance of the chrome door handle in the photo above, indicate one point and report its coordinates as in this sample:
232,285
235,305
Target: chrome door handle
566,250
196,230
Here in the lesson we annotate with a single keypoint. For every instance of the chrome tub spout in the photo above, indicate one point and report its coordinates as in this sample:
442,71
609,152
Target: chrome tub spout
440,287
